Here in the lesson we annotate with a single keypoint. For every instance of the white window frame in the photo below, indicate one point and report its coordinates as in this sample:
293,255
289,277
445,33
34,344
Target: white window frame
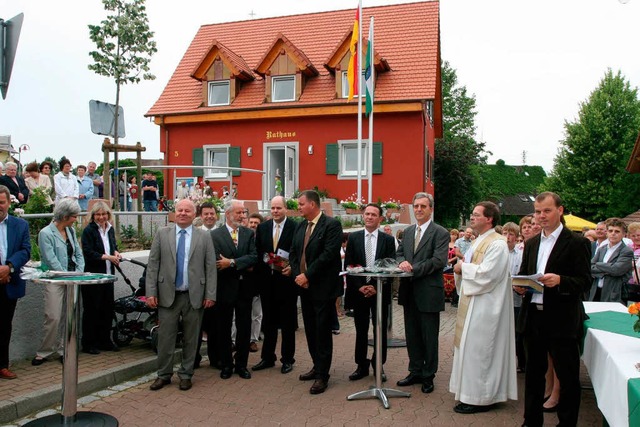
210,173
219,83
345,85
280,79
343,148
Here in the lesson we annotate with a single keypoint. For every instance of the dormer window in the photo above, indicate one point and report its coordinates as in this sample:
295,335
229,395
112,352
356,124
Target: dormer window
219,93
345,85
283,88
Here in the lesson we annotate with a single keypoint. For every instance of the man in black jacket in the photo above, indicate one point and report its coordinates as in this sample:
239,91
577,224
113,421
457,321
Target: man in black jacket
236,247
363,248
315,267
552,322
278,293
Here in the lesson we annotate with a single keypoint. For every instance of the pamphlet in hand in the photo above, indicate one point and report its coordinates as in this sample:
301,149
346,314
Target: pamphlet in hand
530,282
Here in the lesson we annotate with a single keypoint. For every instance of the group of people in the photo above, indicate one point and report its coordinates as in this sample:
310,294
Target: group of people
211,277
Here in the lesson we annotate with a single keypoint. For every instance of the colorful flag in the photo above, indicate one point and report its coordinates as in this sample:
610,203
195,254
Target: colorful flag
368,72
352,71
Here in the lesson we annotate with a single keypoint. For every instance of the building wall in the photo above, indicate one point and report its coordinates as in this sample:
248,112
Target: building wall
404,137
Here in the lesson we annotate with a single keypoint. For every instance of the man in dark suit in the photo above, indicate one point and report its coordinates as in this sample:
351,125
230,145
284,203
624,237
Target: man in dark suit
315,266
15,183
423,251
180,283
16,251
363,248
278,293
553,321
236,248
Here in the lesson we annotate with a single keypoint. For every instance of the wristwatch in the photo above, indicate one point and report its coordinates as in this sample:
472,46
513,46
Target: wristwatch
232,263
11,269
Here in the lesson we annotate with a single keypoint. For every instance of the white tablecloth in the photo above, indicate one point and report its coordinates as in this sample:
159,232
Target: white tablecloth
610,359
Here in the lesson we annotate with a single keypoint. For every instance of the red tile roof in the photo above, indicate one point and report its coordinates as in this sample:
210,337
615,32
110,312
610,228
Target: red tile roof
406,35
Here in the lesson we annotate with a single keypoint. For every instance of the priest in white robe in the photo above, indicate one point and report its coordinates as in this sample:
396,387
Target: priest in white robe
484,360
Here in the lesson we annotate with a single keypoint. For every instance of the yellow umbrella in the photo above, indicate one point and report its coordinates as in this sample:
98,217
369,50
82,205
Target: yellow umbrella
575,223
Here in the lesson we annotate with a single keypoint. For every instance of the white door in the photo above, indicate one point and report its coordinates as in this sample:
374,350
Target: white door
290,172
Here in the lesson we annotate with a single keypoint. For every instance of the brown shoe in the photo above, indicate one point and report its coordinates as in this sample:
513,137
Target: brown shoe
6,374
319,386
311,375
158,384
185,384
253,347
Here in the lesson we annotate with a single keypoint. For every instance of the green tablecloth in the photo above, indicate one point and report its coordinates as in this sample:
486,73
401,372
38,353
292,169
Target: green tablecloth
620,323
633,397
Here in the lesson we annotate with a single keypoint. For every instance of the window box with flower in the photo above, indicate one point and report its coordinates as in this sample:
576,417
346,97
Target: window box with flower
353,205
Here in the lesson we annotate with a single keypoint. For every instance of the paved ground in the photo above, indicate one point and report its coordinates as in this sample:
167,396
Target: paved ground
269,398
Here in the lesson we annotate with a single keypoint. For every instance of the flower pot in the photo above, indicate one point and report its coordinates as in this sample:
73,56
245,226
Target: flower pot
351,211
171,217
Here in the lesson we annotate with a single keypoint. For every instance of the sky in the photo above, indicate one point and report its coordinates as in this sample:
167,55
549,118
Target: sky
529,65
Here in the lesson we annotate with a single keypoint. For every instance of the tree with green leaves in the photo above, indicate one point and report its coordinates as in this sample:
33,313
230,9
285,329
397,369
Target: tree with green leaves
455,178
589,169
124,47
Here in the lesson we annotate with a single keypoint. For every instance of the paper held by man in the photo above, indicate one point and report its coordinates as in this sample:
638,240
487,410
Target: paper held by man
529,282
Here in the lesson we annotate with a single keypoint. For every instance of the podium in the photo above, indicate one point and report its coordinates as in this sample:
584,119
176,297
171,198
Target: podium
70,415
377,391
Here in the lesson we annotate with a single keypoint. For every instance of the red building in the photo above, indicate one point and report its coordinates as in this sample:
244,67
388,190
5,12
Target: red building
271,94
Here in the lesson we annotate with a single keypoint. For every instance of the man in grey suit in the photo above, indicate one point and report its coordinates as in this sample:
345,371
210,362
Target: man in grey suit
611,266
423,252
181,282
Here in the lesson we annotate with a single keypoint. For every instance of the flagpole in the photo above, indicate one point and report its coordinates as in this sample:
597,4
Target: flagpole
359,81
370,147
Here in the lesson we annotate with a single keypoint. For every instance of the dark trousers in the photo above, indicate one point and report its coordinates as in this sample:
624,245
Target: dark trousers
520,353
317,316
209,326
565,353
223,320
279,312
421,331
97,315
364,310
7,309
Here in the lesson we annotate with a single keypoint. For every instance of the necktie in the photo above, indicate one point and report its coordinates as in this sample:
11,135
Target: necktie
303,261
180,259
234,237
418,236
276,237
368,250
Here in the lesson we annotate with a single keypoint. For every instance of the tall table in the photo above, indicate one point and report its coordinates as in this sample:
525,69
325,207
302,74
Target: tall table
377,391
70,415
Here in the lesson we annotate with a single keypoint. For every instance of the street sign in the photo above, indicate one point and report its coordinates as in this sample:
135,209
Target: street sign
102,117
9,36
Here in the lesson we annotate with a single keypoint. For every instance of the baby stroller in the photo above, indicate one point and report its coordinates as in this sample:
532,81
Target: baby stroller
132,317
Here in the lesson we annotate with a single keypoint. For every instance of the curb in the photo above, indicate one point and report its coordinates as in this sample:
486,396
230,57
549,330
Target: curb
25,405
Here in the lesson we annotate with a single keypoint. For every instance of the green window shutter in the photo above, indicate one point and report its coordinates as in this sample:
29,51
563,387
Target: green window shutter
332,159
198,158
377,158
234,160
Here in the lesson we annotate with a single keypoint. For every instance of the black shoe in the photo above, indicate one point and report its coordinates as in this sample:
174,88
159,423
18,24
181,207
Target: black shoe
185,384
91,350
226,373
427,386
319,386
359,373
243,373
158,384
38,361
286,368
308,376
410,379
463,408
263,364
